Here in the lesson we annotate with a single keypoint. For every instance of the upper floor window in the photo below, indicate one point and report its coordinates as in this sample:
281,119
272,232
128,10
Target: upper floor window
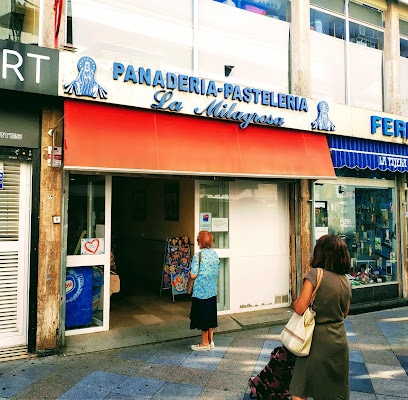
365,23
403,28
19,20
278,9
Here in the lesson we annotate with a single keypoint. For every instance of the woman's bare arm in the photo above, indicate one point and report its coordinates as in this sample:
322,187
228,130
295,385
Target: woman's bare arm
305,296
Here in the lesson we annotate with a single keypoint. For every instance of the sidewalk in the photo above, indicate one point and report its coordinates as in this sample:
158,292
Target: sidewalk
168,369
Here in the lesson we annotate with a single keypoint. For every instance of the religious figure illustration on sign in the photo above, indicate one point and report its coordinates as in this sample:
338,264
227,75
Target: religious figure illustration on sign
85,84
322,122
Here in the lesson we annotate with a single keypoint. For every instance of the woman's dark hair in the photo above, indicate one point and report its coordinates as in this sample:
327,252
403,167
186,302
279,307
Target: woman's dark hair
205,238
331,253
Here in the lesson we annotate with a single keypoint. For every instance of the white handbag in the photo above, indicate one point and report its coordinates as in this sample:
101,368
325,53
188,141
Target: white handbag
298,332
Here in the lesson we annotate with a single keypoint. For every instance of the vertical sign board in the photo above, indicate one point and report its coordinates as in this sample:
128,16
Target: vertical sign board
176,266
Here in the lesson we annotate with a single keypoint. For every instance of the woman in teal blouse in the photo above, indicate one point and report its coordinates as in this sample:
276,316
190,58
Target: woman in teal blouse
205,267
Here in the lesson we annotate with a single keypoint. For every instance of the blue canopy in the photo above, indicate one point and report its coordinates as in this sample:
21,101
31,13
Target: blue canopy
362,153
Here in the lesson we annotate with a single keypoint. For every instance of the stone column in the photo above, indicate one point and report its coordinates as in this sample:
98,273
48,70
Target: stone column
300,48
301,86
392,95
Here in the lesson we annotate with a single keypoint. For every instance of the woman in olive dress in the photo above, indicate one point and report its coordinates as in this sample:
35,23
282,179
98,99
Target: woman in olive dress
324,373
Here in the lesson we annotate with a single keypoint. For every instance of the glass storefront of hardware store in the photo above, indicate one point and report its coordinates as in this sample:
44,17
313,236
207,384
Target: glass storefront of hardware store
364,207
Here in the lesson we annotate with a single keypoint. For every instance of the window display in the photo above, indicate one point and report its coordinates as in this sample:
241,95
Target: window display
364,217
271,8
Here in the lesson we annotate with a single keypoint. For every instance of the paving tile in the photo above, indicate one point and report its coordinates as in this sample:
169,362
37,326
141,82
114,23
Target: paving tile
191,376
211,394
386,371
157,371
138,353
392,329
115,396
137,386
356,356
12,384
390,387
379,356
202,360
177,391
351,337
228,381
102,380
169,357
359,378
83,393
362,396
244,366
404,362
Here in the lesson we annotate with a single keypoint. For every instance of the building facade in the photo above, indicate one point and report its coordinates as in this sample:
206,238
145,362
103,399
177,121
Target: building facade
269,123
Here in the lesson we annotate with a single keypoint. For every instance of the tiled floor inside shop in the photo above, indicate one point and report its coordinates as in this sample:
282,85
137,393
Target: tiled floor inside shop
148,307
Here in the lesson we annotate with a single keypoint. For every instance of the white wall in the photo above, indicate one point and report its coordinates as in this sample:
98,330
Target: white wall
259,233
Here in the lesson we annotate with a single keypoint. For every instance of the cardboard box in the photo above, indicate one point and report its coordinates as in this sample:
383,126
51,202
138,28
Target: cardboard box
114,283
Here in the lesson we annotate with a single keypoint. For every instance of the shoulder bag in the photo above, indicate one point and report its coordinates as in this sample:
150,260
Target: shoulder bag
190,280
298,332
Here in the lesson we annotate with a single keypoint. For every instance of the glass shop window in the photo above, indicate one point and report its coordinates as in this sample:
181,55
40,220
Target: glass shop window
364,218
19,20
328,18
214,210
278,9
368,30
403,28
86,215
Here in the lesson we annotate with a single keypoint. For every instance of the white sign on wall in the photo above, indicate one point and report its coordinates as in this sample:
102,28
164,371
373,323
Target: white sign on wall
220,225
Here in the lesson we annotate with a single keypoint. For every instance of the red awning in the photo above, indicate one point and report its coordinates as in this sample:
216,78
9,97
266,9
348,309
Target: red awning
115,139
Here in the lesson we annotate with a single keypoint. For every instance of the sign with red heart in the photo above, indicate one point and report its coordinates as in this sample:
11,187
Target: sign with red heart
92,246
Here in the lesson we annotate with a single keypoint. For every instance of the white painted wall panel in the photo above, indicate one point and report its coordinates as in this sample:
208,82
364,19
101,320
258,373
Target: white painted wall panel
404,85
328,68
365,77
257,46
155,32
259,219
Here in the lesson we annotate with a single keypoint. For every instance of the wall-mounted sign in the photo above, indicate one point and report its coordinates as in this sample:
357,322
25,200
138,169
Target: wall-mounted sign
54,156
205,222
29,68
219,225
180,93
19,127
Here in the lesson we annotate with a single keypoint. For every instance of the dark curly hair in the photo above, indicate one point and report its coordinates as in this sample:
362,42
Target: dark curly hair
331,253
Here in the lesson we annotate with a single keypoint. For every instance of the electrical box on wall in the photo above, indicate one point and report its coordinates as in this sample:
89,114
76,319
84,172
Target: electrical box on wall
54,156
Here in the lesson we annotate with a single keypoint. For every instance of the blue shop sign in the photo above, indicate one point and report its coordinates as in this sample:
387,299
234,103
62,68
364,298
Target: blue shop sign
363,153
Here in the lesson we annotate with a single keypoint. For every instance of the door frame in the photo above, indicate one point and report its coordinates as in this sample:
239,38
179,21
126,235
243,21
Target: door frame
69,261
19,336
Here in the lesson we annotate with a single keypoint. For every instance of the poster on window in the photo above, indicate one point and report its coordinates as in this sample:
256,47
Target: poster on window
92,246
176,266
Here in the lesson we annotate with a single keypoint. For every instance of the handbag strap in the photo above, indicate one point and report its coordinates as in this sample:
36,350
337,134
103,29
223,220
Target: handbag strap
319,281
199,262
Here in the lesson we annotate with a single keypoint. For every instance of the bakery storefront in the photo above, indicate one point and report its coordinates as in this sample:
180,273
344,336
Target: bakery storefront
194,154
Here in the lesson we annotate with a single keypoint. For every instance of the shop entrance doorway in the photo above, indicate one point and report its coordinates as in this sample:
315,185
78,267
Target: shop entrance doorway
15,206
145,212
